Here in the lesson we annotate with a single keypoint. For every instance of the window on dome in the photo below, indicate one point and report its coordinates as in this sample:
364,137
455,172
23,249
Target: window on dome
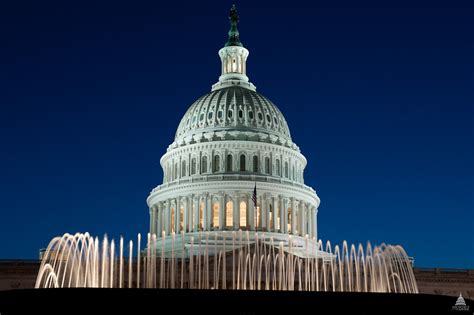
229,114
219,114
209,116
215,215
229,220
260,116
229,163
193,166
243,214
268,118
255,164
267,165
217,163
251,115
204,165
194,119
275,121
241,114
201,117
286,169
183,169
278,167
242,163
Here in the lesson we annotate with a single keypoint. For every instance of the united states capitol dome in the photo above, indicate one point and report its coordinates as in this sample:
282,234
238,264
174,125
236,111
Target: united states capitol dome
236,112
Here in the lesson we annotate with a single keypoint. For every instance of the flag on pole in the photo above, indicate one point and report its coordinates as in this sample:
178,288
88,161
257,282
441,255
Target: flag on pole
254,196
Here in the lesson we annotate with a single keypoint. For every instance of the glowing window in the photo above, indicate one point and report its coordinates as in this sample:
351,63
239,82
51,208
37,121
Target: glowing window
243,214
229,214
215,215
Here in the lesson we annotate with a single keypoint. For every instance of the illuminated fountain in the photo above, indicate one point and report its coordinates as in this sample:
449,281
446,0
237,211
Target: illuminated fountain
229,141
225,260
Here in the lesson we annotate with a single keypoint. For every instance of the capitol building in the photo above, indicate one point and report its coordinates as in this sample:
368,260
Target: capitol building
233,164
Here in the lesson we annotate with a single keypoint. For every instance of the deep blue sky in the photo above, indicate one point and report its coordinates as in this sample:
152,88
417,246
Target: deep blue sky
379,99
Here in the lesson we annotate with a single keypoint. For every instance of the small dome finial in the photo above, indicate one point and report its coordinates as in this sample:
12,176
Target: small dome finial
234,39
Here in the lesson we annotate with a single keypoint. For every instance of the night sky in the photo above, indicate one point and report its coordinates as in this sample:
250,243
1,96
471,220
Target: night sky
379,99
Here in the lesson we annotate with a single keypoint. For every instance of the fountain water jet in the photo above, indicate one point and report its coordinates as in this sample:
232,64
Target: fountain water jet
266,261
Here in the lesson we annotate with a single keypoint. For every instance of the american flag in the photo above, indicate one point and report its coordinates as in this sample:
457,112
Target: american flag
254,196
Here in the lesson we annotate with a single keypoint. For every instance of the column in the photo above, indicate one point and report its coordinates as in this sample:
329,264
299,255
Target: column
294,224
151,219
177,214
266,213
196,213
251,213
309,218
185,214
159,223
315,223
221,211
207,222
168,217
282,214
274,214
303,218
236,211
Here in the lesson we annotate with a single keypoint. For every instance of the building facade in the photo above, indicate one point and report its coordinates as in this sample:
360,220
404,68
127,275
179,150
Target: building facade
233,164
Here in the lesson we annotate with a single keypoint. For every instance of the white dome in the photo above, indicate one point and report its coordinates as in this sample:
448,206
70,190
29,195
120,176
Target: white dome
233,112
233,165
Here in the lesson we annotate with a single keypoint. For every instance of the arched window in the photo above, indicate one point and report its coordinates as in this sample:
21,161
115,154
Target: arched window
229,163
242,163
229,219
217,163
286,169
267,165
243,214
183,168
193,166
255,164
278,167
204,165
215,215
176,170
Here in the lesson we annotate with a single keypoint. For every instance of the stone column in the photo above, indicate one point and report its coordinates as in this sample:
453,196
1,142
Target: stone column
310,220
274,214
315,223
221,211
209,212
303,218
236,210
185,214
285,216
282,214
266,213
196,213
293,216
177,216
168,217
251,213
151,219
161,218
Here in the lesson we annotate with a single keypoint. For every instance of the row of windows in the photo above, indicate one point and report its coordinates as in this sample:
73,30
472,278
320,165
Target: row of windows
229,217
295,173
